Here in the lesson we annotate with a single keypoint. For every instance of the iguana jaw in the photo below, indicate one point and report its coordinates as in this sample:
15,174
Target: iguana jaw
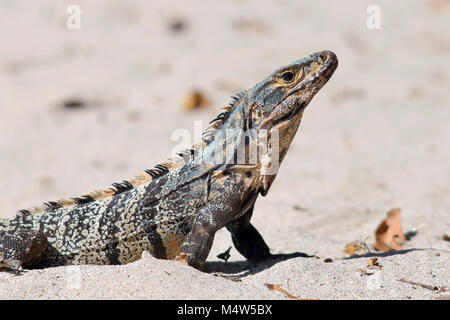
284,116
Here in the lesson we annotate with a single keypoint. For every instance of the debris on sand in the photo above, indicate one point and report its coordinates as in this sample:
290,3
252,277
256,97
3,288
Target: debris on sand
195,100
389,233
278,288
352,247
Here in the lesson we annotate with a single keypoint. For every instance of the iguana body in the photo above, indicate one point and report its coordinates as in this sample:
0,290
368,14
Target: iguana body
174,210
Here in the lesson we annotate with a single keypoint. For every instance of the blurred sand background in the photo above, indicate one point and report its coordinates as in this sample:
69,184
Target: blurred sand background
376,136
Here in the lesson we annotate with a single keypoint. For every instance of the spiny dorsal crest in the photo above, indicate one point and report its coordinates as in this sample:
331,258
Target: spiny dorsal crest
222,117
148,175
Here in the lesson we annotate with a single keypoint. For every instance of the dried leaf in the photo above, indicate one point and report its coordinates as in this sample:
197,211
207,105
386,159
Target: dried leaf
382,247
445,237
373,263
195,100
278,288
352,248
389,233
225,255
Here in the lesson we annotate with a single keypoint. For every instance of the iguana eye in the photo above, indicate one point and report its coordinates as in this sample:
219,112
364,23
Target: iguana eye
287,76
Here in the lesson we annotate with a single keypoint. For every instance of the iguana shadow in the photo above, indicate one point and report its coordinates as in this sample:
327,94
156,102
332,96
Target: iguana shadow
239,269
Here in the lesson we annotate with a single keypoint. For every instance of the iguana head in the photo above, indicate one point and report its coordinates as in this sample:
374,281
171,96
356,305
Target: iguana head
277,103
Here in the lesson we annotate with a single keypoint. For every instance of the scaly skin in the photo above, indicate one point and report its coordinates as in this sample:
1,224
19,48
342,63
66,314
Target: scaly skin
174,210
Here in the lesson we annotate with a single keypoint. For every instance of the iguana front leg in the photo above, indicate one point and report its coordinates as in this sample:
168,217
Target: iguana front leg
198,242
217,213
21,248
247,239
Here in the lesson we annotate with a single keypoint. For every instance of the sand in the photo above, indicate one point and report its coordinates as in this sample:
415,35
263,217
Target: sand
376,137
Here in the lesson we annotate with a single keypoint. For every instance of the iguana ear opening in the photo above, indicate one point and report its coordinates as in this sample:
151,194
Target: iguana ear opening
256,116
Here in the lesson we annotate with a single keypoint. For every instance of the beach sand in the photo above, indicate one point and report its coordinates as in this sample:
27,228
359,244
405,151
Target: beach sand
376,137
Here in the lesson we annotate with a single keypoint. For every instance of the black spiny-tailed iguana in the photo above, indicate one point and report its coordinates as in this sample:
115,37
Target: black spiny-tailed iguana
174,210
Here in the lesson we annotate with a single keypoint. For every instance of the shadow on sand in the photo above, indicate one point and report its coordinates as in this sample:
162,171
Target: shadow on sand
239,269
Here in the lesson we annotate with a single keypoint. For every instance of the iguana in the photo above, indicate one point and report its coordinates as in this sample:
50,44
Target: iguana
174,210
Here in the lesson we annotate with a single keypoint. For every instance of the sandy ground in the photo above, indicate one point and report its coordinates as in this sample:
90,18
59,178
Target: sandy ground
376,137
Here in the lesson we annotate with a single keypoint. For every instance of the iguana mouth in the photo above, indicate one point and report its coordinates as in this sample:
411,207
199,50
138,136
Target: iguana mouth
290,115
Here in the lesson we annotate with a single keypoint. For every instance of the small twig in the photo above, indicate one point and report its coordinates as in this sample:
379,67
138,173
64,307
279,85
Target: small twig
364,244
367,273
431,246
425,286
229,277
278,288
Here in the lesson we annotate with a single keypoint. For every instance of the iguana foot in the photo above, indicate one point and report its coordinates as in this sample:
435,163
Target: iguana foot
184,259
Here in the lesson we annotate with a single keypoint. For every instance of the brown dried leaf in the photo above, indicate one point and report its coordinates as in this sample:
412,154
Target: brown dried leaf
367,273
277,287
445,237
195,100
225,255
352,248
373,263
382,247
389,233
